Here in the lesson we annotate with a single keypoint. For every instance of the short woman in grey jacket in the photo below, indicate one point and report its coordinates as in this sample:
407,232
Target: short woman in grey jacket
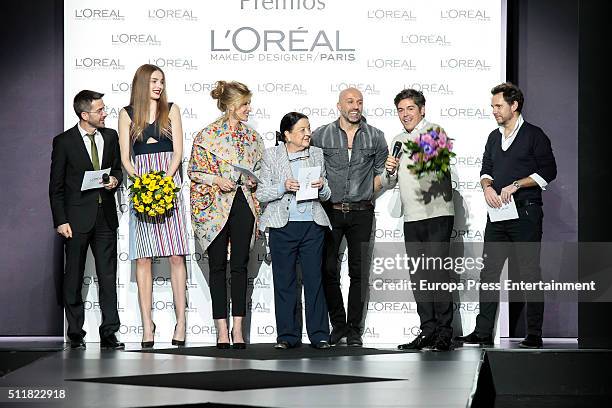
296,230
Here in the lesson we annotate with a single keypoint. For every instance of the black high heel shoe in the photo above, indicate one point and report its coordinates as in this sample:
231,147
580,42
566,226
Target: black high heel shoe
222,346
237,346
179,343
149,344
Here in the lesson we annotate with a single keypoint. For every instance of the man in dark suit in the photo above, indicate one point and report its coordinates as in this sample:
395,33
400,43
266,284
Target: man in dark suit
87,217
517,165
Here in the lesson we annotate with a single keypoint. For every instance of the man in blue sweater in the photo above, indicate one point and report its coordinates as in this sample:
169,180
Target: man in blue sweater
518,163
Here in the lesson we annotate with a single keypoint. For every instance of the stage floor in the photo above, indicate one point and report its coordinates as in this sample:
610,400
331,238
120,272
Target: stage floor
395,379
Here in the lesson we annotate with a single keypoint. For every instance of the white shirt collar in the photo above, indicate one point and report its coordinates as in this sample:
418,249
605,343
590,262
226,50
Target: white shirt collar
420,126
517,126
84,132
300,154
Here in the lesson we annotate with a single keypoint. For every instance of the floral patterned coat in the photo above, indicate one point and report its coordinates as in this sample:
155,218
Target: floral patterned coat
215,149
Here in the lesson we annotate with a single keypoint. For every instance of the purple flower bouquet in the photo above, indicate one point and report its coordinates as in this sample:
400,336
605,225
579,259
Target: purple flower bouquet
430,152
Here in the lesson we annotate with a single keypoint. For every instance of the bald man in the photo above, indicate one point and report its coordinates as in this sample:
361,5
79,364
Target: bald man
355,154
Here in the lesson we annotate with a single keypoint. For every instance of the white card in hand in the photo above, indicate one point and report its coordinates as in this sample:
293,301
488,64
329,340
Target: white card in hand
247,172
505,212
93,179
306,176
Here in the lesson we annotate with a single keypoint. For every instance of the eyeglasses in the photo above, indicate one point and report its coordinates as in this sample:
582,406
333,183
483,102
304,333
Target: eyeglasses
99,111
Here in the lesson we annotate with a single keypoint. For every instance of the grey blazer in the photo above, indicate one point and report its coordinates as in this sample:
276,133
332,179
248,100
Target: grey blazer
275,169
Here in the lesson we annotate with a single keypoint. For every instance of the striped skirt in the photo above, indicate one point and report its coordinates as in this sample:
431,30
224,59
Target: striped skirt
162,235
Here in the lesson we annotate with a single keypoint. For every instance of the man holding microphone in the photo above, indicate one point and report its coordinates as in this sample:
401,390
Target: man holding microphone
427,208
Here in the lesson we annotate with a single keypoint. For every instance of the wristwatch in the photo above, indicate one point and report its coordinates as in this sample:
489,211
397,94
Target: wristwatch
516,184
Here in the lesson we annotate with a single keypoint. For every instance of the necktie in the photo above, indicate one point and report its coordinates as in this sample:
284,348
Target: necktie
94,156
95,160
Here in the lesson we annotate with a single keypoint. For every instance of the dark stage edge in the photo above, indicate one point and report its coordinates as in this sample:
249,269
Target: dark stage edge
543,378
14,360
268,352
21,345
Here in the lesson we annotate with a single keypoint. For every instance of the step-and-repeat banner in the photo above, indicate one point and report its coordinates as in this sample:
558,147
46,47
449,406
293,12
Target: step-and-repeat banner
295,55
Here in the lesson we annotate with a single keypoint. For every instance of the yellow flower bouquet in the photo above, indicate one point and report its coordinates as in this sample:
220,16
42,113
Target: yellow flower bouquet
153,193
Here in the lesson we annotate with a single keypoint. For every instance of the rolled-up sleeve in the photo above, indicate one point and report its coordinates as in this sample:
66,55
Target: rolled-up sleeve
382,151
545,159
389,181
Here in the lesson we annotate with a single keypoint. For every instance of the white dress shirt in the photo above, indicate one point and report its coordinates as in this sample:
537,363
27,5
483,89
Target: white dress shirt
506,142
99,143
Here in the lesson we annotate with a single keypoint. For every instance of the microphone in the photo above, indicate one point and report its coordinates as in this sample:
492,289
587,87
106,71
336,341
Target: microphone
397,151
105,179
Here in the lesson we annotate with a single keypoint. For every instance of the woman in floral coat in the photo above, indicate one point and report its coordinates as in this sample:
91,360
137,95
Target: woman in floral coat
223,205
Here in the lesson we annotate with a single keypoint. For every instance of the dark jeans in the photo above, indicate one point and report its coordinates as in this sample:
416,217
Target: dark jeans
103,241
357,227
298,241
238,230
431,238
522,237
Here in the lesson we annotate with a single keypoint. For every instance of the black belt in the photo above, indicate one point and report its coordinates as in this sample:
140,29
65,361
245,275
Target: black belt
527,203
358,206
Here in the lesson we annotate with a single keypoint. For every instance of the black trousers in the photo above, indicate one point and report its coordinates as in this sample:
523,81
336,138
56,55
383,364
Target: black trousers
357,227
238,230
103,241
431,238
522,237
298,241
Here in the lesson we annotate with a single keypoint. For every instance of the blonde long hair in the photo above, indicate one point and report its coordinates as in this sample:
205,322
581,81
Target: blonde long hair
140,100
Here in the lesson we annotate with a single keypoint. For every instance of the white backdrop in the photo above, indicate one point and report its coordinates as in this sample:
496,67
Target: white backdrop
294,55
